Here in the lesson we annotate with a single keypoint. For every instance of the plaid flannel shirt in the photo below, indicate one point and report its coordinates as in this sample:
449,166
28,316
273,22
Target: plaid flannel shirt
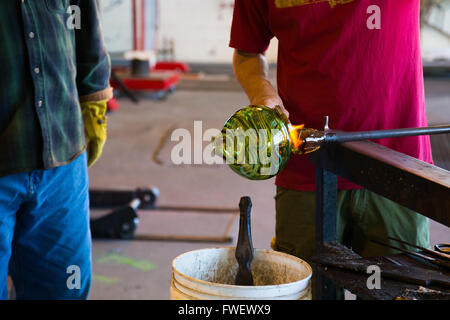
48,64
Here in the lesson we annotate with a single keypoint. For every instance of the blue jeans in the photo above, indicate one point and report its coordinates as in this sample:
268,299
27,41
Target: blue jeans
45,240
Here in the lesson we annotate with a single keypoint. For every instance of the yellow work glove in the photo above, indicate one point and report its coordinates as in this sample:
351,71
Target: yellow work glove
94,118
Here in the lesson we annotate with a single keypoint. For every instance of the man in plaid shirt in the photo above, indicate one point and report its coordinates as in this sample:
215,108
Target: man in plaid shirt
54,86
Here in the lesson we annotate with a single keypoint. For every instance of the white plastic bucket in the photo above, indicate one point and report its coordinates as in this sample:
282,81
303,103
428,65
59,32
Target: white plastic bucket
209,274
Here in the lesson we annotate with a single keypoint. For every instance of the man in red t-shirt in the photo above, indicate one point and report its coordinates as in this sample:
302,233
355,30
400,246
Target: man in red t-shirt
357,61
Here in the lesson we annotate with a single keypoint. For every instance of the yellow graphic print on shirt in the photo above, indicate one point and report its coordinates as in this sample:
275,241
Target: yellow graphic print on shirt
296,3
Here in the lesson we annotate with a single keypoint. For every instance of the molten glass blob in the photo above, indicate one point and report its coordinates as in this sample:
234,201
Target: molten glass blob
256,142
305,140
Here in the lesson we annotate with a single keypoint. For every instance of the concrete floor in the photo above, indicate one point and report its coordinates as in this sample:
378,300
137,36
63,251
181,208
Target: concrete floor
138,154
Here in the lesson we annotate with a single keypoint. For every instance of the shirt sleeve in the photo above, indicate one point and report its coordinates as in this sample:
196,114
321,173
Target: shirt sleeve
250,27
93,61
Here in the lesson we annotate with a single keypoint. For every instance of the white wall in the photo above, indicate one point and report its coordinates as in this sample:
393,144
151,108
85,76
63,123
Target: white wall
200,29
117,27
435,45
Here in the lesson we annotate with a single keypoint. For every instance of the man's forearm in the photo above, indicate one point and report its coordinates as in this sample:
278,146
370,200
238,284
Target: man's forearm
252,72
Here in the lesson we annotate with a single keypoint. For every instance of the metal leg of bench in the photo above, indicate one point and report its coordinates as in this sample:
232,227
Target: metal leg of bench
326,226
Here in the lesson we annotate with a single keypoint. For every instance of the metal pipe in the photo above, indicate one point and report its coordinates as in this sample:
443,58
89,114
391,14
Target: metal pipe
338,137
134,17
142,29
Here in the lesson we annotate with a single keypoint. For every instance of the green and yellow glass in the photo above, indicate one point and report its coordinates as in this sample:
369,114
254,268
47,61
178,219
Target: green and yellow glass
254,142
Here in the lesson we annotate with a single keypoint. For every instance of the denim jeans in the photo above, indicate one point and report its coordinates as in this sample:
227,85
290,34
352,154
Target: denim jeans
45,241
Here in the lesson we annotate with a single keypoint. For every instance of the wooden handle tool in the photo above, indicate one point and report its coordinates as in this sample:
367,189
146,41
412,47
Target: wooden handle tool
244,247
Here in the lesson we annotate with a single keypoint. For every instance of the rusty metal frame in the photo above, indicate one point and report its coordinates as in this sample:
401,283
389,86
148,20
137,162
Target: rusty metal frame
410,182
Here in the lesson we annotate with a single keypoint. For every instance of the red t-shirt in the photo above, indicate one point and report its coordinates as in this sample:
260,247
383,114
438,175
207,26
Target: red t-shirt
358,63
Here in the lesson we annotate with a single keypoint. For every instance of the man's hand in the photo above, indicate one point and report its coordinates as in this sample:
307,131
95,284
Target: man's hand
273,102
94,128
251,70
